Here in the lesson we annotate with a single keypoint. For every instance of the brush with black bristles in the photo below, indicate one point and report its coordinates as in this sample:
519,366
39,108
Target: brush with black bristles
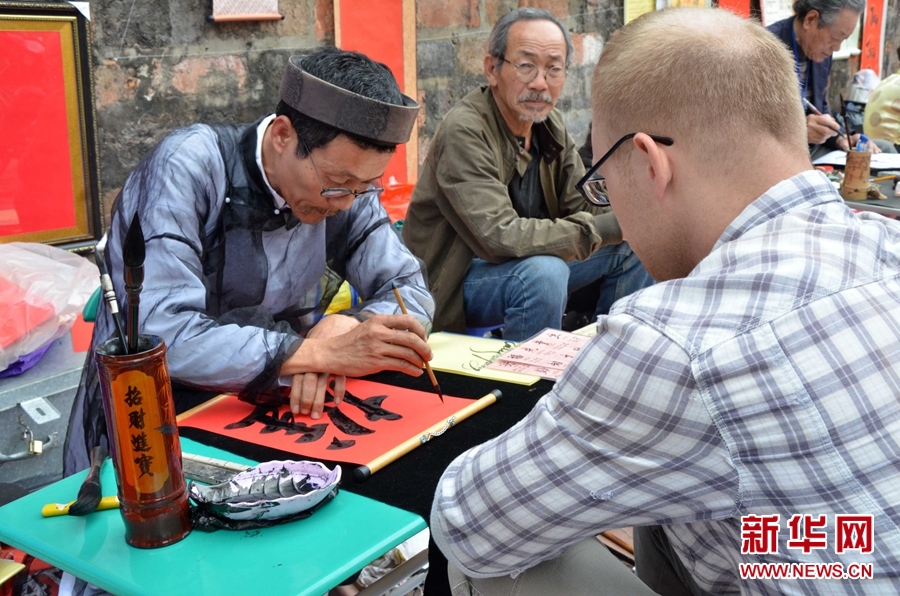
89,494
109,296
133,253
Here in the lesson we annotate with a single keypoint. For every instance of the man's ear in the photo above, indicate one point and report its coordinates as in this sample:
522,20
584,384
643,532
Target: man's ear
811,20
282,133
490,69
658,164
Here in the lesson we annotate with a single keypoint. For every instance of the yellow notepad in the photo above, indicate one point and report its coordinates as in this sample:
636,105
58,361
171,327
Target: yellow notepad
469,355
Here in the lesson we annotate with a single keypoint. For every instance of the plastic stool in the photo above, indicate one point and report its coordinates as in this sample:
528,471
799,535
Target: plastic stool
481,331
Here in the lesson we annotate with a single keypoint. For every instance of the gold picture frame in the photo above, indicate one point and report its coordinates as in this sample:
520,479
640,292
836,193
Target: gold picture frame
49,179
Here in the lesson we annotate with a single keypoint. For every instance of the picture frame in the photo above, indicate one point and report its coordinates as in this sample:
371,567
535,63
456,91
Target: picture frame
49,177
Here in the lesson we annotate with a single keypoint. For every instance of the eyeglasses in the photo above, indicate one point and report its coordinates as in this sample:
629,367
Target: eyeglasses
527,72
339,193
593,186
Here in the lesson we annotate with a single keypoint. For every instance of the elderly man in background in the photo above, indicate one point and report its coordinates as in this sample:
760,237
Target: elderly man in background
813,34
741,414
495,215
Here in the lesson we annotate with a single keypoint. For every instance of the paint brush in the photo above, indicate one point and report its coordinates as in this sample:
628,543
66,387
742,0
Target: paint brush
437,388
54,509
109,296
89,495
133,253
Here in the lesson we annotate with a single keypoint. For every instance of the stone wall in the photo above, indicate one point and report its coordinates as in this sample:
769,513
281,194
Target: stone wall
159,64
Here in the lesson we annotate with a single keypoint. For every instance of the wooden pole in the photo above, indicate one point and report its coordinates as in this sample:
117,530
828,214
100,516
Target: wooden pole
363,472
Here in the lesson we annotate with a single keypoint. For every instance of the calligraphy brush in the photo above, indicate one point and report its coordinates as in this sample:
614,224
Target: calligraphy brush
846,122
109,296
133,253
430,372
89,495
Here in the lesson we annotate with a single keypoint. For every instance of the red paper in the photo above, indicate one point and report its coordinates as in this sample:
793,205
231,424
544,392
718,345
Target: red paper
376,30
738,7
36,190
872,34
82,332
418,410
20,316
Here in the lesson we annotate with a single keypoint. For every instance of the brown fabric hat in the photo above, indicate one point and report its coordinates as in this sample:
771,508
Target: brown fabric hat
380,122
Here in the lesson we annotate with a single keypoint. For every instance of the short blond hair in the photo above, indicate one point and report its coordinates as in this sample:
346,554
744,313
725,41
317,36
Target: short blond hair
703,76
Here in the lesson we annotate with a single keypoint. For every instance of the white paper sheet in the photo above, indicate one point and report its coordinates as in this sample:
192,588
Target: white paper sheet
880,161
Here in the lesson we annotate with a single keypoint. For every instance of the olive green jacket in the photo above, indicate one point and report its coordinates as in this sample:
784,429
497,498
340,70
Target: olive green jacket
461,207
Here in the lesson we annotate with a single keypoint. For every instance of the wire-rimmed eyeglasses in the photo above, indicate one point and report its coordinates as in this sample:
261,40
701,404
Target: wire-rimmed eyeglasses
335,192
593,186
527,72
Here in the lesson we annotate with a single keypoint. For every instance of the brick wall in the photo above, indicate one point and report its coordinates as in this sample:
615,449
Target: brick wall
452,41
160,65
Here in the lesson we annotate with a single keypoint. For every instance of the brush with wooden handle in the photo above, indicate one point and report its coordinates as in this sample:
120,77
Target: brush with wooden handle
89,496
434,383
54,509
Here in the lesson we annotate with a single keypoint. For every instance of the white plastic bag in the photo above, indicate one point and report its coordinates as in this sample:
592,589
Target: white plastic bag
42,291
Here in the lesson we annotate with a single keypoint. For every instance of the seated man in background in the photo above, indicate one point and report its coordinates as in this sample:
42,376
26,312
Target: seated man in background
813,34
882,116
743,410
495,214
250,231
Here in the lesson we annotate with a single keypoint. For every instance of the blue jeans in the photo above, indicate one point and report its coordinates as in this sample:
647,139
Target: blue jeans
530,294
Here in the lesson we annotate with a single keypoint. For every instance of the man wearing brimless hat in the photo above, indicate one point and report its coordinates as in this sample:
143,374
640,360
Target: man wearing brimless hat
250,231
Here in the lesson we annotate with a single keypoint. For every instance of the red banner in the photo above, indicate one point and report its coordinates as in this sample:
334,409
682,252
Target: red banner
873,36
738,7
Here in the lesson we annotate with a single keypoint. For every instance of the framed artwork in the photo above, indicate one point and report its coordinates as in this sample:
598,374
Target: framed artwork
48,147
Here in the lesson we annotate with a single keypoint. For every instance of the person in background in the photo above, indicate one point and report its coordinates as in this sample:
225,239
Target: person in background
495,215
741,411
882,115
813,34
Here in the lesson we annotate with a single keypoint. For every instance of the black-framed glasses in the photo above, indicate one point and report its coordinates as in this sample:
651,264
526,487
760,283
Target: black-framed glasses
527,72
593,186
335,192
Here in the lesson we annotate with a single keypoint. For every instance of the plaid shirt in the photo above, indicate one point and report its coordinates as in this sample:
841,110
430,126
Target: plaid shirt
765,382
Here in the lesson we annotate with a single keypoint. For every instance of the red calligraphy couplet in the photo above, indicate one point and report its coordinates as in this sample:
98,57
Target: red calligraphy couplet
873,36
372,420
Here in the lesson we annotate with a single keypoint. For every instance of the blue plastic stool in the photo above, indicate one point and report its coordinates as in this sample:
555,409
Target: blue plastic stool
481,331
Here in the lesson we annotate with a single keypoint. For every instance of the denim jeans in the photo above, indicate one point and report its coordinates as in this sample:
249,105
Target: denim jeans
529,294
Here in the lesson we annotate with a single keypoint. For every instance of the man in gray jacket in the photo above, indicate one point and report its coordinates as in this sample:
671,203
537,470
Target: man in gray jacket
250,231
504,234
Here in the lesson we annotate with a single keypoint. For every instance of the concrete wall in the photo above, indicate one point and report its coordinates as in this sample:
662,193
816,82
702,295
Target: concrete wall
160,65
